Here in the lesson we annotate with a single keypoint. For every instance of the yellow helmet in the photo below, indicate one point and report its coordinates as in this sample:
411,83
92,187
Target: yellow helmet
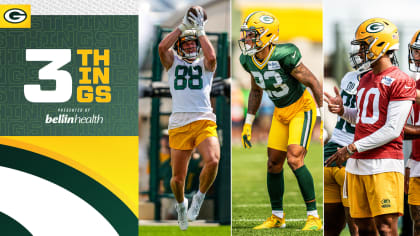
258,30
187,35
414,53
374,38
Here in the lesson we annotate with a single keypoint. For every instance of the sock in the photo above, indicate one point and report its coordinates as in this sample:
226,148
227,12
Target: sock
306,185
275,185
313,213
279,214
180,203
200,194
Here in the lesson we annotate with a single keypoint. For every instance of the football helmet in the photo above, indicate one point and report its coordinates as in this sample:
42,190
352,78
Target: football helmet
258,30
374,38
187,35
414,53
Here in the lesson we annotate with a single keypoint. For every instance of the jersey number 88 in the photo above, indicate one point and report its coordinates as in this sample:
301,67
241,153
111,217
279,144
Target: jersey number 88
194,80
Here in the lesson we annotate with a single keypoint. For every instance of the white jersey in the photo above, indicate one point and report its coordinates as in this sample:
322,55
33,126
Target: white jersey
343,133
190,86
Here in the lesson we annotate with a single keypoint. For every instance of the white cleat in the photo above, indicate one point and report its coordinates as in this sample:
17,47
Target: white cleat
182,214
195,207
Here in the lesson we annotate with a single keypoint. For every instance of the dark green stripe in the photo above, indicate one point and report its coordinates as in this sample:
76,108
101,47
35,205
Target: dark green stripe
9,226
302,136
98,196
309,128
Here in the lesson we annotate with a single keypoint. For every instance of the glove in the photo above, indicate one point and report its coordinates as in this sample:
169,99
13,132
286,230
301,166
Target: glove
198,22
246,135
185,24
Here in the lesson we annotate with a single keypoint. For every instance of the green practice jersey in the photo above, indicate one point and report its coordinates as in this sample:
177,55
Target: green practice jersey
273,74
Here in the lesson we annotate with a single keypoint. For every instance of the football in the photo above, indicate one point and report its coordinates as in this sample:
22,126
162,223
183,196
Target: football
194,9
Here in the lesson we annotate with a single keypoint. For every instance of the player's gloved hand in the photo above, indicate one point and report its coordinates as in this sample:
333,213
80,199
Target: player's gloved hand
198,21
185,24
246,136
246,132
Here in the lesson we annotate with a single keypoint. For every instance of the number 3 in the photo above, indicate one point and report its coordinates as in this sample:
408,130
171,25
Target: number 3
63,81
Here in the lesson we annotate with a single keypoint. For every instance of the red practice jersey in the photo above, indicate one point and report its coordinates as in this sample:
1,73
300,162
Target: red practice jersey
373,96
415,153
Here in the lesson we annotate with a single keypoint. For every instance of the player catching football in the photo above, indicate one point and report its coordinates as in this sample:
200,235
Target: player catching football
412,177
192,122
278,70
375,161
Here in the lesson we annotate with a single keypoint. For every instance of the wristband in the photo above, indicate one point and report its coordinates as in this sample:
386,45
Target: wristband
249,118
182,27
200,32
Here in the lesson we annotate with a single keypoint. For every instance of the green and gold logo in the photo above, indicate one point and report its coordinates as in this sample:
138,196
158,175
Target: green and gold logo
15,16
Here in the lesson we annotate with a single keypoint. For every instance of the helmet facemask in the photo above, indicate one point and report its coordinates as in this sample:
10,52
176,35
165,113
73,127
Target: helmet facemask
359,56
179,48
414,57
189,55
250,42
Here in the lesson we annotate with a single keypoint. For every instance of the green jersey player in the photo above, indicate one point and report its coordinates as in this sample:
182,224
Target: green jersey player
278,70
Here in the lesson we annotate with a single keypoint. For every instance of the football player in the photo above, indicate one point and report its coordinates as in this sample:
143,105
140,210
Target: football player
192,122
336,207
278,70
375,161
412,177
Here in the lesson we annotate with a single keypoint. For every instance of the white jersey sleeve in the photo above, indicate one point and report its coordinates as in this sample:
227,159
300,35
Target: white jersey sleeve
343,133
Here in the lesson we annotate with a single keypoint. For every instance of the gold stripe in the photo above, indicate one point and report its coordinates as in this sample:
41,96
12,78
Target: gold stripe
261,65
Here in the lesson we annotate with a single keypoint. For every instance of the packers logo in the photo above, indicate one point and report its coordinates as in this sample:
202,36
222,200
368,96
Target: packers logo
15,15
375,27
385,203
266,19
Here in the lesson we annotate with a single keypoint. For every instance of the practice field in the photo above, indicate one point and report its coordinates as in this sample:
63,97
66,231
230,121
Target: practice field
191,231
250,201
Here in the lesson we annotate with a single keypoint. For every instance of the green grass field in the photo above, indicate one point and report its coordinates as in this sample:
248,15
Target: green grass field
250,201
191,231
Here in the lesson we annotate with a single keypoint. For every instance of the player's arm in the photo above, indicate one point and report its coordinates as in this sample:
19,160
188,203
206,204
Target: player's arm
418,96
335,105
254,101
305,76
390,131
255,96
411,131
209,54
165,52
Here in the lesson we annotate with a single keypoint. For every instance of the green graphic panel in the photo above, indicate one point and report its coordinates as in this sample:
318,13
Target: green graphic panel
118,34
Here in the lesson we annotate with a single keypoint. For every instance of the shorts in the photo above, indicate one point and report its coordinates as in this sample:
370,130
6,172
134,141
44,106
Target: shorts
413,191
293,124
333,185
378,194
191,135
